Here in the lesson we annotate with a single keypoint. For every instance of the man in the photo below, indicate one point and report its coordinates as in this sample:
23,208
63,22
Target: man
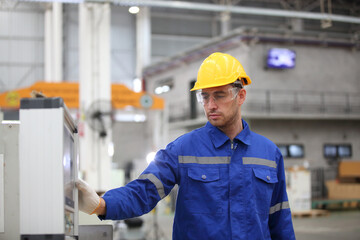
231,180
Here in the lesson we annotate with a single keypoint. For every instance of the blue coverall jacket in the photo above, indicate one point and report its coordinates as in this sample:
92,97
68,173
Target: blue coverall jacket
227,190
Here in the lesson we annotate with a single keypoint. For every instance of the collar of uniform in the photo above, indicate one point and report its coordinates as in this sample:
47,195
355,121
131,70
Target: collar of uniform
245,135
219,138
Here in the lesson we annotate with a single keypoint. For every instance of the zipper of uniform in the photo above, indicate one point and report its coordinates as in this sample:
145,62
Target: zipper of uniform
232,147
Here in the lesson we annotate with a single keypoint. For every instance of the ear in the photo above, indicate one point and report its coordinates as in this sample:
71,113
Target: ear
241,96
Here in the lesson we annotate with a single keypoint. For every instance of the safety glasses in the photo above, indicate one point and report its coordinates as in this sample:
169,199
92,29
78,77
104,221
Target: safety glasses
218,96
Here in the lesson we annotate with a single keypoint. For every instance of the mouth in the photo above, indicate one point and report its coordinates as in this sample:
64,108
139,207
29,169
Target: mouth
214,115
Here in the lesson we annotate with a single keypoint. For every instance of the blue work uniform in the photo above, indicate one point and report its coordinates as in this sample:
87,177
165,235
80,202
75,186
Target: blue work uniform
227,189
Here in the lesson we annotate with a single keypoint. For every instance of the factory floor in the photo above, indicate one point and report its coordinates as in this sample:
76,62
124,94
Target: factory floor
344,225
337,225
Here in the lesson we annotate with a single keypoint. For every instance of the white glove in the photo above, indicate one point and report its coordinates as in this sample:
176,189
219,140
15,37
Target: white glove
89,201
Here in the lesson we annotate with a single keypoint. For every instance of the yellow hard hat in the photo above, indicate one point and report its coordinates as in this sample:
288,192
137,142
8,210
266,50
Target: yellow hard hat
220,69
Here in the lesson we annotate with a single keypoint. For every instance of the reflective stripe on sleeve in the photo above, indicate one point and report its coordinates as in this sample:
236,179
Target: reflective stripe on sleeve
278,207
158,184
259,161
204,160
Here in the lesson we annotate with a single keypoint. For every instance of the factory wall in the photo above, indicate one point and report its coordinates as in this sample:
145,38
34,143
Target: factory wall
21,45
22,42
173,32
134,140
312,134
130,142
71,43
317,68
122,44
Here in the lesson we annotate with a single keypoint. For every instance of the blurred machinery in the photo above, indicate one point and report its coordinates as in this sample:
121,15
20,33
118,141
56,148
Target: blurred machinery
38,169
48,161
298,186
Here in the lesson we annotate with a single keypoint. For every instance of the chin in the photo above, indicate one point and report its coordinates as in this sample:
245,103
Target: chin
215,123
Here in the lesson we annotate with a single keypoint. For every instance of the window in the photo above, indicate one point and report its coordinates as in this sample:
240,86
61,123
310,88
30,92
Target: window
164,86
284,150
291,150
337,150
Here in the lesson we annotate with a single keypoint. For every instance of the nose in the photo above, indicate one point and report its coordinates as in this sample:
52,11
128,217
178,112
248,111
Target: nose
212,103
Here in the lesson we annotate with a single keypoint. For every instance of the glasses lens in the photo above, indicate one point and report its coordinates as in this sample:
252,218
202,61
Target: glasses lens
234,92
199,97
219,97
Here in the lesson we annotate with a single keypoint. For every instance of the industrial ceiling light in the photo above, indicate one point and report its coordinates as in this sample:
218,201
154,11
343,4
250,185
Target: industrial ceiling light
137,85
150,157
61,1
134,9
111,149
162,89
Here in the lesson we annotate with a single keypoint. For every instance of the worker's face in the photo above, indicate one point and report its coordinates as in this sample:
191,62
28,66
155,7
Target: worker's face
222,105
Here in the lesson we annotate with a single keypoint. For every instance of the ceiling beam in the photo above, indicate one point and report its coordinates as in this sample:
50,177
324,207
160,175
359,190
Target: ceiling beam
222,8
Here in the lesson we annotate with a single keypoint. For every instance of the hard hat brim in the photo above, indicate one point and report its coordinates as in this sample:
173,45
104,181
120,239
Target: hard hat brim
248,82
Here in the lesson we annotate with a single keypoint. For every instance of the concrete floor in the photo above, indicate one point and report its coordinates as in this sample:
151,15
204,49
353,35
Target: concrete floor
343,225
340,225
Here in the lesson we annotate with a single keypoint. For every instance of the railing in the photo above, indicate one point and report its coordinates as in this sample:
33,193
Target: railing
285,102
303,102
319,176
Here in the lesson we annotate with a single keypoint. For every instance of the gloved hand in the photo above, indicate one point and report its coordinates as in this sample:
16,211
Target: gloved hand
89,200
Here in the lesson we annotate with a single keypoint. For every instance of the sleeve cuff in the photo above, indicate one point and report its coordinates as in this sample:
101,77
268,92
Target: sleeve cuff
110,205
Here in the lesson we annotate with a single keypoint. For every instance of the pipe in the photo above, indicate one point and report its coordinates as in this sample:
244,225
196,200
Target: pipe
235,9
220,8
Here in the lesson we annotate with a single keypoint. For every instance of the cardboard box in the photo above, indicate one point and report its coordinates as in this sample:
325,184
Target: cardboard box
343,190
349,169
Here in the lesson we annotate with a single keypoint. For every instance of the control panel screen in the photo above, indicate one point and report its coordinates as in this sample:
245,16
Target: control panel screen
68,163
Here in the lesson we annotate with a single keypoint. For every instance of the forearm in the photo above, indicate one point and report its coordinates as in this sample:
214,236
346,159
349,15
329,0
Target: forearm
130,201
141,195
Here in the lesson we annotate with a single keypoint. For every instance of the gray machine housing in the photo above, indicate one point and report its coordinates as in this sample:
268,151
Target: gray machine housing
36,154
48,168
